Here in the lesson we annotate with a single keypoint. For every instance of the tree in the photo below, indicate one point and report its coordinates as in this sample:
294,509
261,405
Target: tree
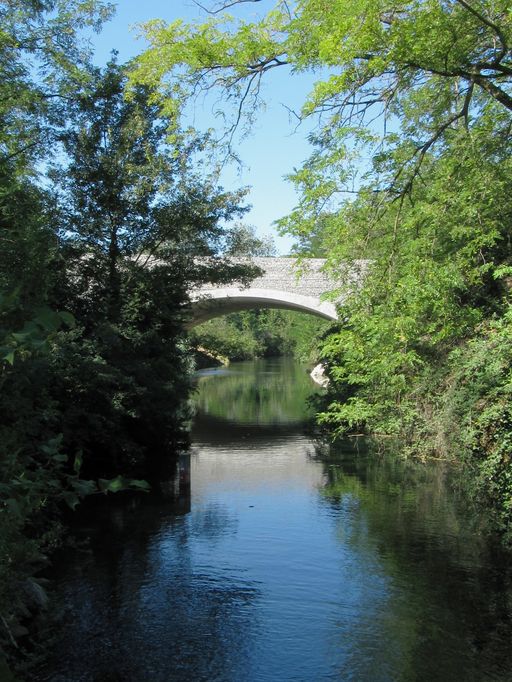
129,195
429,212
134,219
243,242
41,60
101,388
422,67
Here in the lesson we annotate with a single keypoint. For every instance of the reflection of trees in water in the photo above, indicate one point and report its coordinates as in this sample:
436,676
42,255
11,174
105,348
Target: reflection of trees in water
453,593
268,391
215,431
139,606
213,522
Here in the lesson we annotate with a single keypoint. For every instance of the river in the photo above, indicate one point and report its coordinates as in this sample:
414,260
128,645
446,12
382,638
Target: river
269,559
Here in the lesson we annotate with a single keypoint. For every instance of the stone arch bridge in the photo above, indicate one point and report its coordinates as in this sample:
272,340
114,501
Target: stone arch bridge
285,283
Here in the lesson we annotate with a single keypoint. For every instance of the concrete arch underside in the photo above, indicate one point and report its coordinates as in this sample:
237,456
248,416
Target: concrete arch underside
208,304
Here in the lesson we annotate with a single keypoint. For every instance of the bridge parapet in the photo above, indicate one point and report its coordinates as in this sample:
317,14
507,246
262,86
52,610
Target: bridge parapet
287,274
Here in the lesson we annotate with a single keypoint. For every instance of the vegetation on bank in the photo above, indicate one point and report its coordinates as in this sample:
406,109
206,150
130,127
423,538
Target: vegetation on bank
101,219
410,170
261,334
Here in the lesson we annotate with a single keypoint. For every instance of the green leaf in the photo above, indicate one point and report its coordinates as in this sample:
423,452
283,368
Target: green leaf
68,319
77,464
71,499
14,507
119,483
112,485
21,337
52,446
9,357
83,487
136,483
48,319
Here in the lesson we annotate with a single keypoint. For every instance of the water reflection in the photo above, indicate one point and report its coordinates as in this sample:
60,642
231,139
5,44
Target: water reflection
284,566
264,392
141,605
450,589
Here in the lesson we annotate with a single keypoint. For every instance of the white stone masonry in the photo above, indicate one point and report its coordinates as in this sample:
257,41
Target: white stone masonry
286,283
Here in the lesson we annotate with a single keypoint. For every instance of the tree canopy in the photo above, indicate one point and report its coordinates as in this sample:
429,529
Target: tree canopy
419,69
104,207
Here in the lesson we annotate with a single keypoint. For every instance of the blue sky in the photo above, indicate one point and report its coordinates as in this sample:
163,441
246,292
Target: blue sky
273,149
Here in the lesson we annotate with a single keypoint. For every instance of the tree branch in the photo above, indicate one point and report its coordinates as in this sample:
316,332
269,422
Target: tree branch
24,149
497,93
224,6
423,149
490,24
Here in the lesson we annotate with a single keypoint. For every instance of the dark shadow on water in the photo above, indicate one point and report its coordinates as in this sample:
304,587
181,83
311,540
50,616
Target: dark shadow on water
212,430
133,603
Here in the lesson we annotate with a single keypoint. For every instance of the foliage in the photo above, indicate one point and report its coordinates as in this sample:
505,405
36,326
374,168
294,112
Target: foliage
410,173
41,60
36,476
242,242
472,413
133,218
225,337
262,333
373,59
434,277
38,46
100,221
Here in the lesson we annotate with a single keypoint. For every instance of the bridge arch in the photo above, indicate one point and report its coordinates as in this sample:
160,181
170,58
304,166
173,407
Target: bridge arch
209,303
285,283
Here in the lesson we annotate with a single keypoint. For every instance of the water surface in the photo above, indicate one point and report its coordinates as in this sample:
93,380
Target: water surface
263,562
